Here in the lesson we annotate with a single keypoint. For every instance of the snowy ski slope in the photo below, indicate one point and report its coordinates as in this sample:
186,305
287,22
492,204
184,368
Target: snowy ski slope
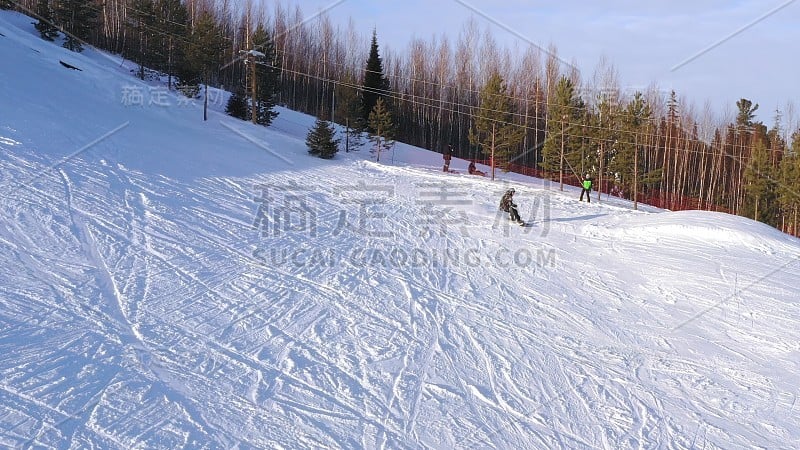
169,283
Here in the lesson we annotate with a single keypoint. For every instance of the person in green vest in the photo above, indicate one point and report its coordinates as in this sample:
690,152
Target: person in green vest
587,188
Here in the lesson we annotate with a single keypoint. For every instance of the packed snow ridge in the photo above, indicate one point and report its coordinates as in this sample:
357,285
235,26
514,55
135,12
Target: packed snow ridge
173,283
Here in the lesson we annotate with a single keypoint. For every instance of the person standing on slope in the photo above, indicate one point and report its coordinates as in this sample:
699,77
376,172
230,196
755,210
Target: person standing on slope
507,204
587,188
448,153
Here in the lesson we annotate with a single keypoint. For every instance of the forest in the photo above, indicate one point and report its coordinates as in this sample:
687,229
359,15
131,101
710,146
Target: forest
526,110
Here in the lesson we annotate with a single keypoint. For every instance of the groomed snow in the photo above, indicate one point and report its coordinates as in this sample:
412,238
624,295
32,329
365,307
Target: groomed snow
172,283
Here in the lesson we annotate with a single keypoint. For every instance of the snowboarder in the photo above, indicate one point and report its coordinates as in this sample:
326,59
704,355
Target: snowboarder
448,153
507,204
473,171
587,188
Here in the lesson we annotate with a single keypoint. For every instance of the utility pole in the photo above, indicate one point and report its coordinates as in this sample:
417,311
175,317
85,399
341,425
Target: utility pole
636,172
561,166
253,87
602,156
251,58
250,67
169,64
494,127
583,145
333,104
205,100
600,173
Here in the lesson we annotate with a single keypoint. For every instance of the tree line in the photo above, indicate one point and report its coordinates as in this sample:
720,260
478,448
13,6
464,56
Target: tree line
526,111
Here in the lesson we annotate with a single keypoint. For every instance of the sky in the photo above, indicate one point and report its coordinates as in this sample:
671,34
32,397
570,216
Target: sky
713,52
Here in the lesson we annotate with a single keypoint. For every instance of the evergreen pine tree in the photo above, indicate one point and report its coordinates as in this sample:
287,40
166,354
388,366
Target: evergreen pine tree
759,186
204,49
788,190
173,23
376,84
746,113
6,4
237,105
382,126
777,144
141,23
744,122
605,132
565,115
76,18
205,45
320,140
267,73
493,129
349,111
45,25
624,162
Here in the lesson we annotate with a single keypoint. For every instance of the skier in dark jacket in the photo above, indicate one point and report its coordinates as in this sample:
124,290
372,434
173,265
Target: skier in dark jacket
447,155
507,204
587,189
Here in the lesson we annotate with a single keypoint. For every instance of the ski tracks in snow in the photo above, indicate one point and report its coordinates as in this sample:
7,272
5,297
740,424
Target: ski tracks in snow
121,307
447,354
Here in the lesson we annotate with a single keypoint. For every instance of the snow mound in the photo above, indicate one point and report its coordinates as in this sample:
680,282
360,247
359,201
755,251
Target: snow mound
712,228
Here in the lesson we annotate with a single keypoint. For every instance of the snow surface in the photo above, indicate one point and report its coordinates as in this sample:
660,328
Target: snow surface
170,283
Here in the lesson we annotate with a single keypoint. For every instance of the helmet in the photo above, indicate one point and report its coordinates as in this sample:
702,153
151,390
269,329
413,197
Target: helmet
510,191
